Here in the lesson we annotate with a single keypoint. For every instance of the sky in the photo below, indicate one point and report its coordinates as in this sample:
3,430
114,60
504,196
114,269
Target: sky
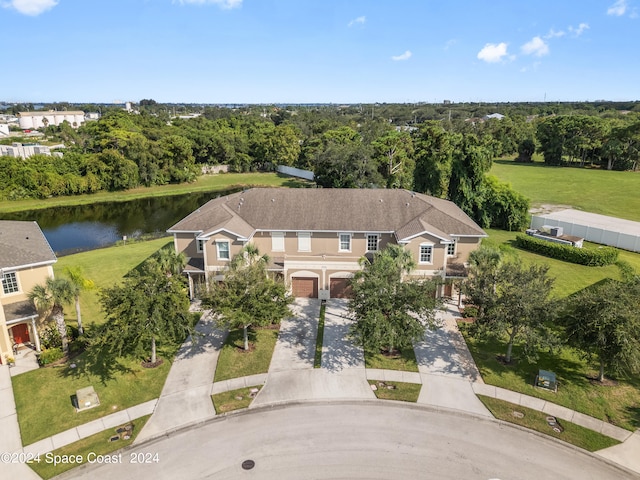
319,51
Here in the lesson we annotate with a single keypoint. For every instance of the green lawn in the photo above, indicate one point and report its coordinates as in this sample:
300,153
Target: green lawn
234,362
573,434
43,396
233,399
593,190
205,183
570,277
405,360
105,266
317,360
94,445
406,392
618,404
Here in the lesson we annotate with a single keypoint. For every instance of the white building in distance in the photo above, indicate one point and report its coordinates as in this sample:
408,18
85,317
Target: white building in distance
18,150
35,120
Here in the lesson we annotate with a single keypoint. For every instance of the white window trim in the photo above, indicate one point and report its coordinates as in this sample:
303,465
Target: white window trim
377,235
340,249
17,284
279,235
420,261
218,243
306,235
455,248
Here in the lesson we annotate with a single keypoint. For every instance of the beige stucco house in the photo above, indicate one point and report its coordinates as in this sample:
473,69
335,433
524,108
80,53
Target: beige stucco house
26,259
315,237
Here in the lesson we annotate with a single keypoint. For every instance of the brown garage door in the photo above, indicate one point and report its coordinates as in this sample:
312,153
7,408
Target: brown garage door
304,287
339,288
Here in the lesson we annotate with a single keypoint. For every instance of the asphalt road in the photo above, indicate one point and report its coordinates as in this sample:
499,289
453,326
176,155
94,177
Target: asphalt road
362,440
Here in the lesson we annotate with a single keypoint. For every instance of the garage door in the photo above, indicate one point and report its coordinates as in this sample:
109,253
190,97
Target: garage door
339,288
304,287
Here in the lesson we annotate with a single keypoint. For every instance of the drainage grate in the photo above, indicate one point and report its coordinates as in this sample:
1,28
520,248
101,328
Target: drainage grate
248,464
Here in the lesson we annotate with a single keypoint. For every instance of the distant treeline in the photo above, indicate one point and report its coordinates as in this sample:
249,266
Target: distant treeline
348,147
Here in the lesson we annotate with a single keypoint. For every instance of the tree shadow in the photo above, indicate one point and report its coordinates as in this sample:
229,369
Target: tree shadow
341,350
297,335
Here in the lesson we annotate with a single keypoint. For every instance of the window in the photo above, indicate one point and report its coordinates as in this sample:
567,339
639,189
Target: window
223,250
425,253
277,241
10,283
304,242
200,245
345,242
372,242
451,249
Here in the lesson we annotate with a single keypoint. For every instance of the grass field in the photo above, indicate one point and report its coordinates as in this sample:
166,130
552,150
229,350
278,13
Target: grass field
570,277
205,183
573,434
616,404
105,266
234,362
592,190
94,445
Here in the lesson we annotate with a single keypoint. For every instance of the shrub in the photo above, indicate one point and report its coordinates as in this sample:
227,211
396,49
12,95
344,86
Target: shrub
584,256
470,312
50,355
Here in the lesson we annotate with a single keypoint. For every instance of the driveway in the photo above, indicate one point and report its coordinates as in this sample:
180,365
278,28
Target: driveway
296,344
338,350
447,368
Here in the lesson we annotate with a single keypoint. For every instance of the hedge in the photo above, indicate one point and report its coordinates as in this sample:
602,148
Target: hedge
592,257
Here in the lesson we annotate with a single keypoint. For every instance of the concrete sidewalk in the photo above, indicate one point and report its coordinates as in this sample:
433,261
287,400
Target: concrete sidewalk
185,398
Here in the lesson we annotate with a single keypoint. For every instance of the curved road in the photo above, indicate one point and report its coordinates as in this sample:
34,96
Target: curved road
370,440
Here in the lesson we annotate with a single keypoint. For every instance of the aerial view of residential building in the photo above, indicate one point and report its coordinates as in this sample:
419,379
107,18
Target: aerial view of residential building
316,237
26,260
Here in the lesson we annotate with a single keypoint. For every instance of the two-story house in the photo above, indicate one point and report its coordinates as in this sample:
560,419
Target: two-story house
315,237
26,259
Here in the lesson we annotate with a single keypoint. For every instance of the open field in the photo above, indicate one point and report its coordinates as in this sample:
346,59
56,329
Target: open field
106,267
592,190
205,183
570,277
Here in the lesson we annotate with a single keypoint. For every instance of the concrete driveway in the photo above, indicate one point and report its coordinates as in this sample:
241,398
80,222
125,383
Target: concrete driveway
296,344
447,368
338,350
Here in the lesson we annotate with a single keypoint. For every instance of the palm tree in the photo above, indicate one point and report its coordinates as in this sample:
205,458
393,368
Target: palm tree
49,298
80,283
169,262
249,255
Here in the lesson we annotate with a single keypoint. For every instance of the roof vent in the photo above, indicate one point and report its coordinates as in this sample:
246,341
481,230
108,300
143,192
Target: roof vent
407,204
273,199
380,200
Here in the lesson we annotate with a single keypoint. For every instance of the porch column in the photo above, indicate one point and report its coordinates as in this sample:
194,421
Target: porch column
191,294
36,337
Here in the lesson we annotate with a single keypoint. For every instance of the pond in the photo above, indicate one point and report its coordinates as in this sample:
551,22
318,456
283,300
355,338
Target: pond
85,227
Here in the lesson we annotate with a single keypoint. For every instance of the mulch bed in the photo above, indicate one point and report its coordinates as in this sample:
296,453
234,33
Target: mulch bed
147,364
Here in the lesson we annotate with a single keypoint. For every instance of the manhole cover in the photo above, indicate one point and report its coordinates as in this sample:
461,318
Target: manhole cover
248,464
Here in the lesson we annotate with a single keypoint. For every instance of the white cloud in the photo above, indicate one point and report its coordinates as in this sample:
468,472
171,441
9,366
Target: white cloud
580,29
536,46
226,4
359,20
31,7
618,9
493,52
405,56
553,34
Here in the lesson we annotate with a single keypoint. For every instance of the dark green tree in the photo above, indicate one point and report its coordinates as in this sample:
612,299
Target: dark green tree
390,311
50,299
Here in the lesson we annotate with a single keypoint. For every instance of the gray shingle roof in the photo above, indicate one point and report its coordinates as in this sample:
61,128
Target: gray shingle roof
318,209
23,243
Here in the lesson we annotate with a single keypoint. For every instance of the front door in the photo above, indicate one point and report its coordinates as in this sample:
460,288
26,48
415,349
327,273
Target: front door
20,333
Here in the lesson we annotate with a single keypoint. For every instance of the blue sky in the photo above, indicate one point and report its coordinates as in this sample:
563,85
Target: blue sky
306,51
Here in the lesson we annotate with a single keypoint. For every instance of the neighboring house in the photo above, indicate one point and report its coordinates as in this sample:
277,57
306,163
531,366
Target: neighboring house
34,120
315,237
26,260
